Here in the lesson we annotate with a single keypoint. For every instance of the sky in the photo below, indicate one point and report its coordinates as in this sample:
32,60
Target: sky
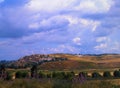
58,26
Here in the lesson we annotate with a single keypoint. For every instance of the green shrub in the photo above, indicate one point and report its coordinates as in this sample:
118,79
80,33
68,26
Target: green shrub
9,76
96,75
41,75
106,74
58,75
116,73
24,74
69,75
54,74
20,74
49,75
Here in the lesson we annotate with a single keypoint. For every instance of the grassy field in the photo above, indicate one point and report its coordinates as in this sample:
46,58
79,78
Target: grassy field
48,83
77,62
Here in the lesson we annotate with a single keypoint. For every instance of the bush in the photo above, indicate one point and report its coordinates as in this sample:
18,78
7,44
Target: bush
106,74
49,75
69,75
96,75
20,74
59,75
116,73
54,75
9,76
24,74
41,75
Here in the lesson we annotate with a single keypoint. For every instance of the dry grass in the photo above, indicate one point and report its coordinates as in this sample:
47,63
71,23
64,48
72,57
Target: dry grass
47,83
104,61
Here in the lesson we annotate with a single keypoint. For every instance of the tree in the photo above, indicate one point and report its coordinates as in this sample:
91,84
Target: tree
3,71
24,74
18,74
69,75
9,76
54,74
41,75
96,75
106,74
49,75
34,71
116,73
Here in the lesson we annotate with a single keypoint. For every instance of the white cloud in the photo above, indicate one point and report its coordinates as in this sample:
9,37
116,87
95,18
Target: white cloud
34,26
48,5
86,5
101,46
66,47
61,48
83,23
77,41
93,6
102,39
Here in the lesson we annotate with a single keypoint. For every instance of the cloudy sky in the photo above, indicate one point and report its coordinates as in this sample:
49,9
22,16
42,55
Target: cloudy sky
58,26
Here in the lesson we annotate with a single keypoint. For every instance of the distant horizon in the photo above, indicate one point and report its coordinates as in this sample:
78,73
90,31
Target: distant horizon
60,26
61,53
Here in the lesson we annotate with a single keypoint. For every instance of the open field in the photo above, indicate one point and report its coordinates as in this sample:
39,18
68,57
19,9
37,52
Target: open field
47,83
87,58
78,62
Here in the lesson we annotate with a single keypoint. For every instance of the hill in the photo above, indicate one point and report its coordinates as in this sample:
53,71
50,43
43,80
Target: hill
69,61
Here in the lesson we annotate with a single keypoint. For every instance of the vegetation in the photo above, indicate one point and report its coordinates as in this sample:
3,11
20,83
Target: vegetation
66,71
96,75
116,73
44,83
20,74
107,74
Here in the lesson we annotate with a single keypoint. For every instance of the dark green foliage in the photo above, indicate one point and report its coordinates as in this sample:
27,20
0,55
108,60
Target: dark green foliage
63,75
96,75
24,74
2,68
20,74
58,75
116,73
54,74
69,75
49,75
9,76
106,74
41,75
3,71
34,71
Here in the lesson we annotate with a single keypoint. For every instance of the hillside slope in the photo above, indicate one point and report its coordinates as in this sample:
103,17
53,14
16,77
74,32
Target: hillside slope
71,62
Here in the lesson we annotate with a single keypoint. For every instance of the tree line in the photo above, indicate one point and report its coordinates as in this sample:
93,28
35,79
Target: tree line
35,73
